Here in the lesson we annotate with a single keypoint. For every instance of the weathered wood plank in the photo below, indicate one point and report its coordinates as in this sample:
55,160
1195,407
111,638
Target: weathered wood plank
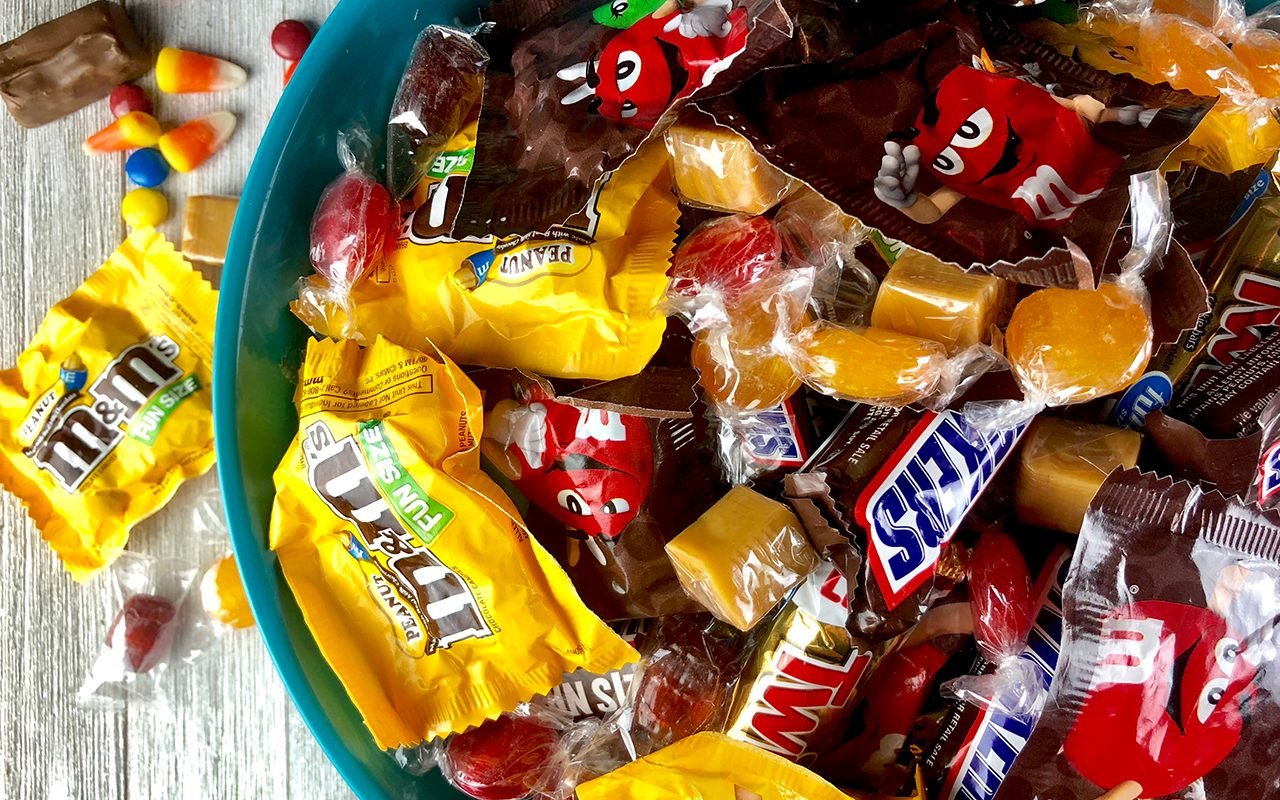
233,731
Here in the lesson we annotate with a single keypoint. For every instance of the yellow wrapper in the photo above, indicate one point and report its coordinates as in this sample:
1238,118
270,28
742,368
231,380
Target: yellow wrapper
710,765
109,408
578,302
413,570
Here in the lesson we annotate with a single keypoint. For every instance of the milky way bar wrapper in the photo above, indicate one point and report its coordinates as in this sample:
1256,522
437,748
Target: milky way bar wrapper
572,95
799,685
69,62
900,482
949,143
1167,675
976,745
1243,274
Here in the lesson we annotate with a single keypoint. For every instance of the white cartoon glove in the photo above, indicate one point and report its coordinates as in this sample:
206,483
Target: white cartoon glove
705,19
895,184
1135,115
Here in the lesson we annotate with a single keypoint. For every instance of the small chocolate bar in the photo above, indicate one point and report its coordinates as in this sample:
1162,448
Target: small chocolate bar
67,63
207,228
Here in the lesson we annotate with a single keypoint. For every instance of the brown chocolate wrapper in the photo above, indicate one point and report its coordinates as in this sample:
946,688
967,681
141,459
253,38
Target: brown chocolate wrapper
1228,464
793,115
541,149
1229,401
1206,205
607,482
67,63
1167,675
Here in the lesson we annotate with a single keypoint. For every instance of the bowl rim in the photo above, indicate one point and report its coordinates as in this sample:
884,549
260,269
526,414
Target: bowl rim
329,41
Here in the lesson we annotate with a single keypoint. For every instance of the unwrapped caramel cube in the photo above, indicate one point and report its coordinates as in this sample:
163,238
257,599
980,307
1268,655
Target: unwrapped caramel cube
925,297
719,169
742,556
206,228
1063,464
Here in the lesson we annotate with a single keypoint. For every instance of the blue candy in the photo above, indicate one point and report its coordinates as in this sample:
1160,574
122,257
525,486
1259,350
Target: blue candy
147,168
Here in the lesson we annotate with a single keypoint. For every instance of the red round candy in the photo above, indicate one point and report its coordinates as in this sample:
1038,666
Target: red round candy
350,228
290,39
679,695
1000,594
143,631
128,97
729,254
504,759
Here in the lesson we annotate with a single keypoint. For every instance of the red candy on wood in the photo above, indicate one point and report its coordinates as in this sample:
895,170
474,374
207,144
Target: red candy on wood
143,631
290,39
128,97
503,759
729,254
350,228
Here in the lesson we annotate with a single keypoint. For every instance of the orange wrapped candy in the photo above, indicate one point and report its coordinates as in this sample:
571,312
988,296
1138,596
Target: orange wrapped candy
1190,56
869,364
1072,345
1259,51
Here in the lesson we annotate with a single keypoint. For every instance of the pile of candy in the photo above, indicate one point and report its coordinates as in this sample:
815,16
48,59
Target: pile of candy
767,399
919,466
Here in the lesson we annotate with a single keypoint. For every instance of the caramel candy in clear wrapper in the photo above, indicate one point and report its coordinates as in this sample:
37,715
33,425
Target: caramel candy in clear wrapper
717,168
741,556
1062,466
206,227
1072,345
925,297
869,364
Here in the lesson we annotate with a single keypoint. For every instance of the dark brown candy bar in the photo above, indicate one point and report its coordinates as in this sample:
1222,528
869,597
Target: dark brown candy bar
1168,669
1007,172
67,63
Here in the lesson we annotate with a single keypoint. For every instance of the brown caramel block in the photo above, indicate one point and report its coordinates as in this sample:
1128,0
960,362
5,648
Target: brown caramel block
67,63
1063,464
206,227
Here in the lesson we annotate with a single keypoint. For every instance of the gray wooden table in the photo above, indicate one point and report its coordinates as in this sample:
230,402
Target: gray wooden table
234,732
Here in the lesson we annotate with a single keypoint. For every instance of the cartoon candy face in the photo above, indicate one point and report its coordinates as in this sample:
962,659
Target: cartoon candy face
646,67
1006,142
591,469
1164,706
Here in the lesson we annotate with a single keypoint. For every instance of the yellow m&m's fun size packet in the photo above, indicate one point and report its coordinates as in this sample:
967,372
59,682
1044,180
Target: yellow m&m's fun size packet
582,300
109,407
419,581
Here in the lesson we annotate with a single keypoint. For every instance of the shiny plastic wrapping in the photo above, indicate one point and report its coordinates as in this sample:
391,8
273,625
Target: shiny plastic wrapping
1166,674
422,587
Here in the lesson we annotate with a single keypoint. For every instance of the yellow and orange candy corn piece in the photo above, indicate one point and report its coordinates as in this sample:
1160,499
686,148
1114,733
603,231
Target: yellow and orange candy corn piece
133,130
190,145
187,72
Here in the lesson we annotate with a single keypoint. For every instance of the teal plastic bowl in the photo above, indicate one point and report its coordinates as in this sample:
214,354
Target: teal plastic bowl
348,76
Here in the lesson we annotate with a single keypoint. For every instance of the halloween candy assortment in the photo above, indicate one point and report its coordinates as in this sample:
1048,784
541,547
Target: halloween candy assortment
747,398
816,434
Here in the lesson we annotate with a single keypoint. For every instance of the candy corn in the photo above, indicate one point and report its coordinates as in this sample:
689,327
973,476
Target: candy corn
192,144
185,72
130,132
